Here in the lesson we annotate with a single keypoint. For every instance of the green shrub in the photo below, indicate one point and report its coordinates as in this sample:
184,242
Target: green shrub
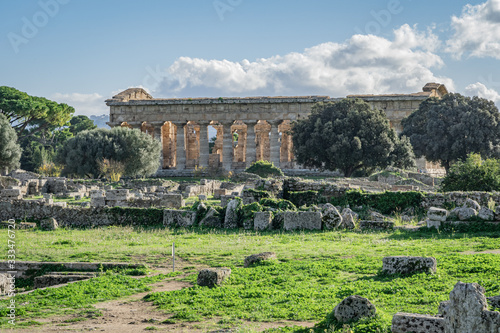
264,169
247,213
280,204
300,198
473,174
257,194
385,202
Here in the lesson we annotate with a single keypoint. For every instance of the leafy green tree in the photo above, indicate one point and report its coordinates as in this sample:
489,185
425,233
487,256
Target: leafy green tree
347,135
264,169
10,151
81,123
136,150
448,129
473,174
23,110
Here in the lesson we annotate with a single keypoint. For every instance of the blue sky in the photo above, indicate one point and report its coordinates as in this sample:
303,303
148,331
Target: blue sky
84,51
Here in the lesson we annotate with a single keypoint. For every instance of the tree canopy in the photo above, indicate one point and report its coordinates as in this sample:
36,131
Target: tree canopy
10,151
448,129
138,152
23,111
348,135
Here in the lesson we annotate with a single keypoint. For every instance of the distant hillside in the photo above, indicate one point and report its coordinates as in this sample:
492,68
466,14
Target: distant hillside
101,120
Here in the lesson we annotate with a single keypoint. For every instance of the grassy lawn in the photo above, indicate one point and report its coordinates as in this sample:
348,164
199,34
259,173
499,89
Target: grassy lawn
315,271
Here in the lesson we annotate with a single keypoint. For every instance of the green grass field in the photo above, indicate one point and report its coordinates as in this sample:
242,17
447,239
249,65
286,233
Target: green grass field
315,271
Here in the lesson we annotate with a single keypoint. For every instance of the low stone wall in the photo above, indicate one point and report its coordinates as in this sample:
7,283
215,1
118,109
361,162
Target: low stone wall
24,267
459,198
76,216
327,190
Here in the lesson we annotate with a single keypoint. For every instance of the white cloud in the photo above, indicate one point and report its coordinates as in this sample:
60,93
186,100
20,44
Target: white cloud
361,64
84,104
479,89
477,31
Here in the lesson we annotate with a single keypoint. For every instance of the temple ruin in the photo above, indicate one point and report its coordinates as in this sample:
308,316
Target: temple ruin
247,129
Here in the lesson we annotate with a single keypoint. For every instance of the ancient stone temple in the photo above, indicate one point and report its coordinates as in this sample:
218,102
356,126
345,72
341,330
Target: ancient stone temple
246,129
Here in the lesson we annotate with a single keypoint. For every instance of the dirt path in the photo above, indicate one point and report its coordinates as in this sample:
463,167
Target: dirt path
132,314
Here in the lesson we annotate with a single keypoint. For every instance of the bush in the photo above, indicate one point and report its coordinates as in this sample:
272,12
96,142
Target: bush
264,169
473,174
280,204
139,152
385,202
301,198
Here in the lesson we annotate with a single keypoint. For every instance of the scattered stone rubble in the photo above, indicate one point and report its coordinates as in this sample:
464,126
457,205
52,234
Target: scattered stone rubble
469,210
465,312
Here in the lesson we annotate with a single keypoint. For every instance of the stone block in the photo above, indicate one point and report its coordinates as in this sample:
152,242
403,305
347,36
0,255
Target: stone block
469,203
62,204
231,218
118,195
262,220
256,259
49,224
97,202
349,218
202,197
331,217
408,265
211,219
219,192
468,311
302,220
178,218
212,277
465,213
437,214
486,214
433,223
172,200
53,279
7,283
11,194
353,308
416,323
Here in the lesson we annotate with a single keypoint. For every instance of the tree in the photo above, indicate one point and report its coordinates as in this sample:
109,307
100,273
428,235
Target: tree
23,110
82,154
447,130
473,174
10,151
39,146
81,123
346,135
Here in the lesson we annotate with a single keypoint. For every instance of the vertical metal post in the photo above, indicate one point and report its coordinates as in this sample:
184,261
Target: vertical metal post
173,257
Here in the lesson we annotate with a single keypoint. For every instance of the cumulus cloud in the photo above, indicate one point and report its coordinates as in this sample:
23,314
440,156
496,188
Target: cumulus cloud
84,104
361,64
477,31
479,89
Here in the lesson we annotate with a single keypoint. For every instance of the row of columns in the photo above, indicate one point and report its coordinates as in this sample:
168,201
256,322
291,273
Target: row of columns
155,129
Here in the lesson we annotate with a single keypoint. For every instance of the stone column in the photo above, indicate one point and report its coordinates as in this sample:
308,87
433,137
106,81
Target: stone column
204,149
159,137
274,144
227,147
251,150
181,147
